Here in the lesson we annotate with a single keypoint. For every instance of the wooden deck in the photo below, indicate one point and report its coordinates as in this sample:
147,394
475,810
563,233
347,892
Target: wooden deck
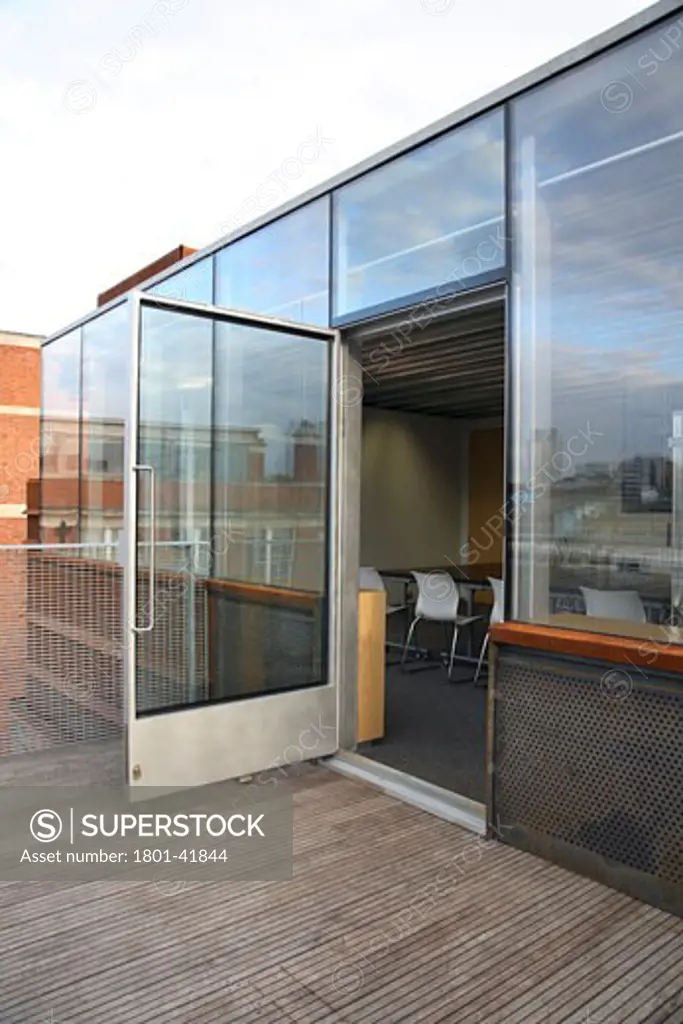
393,916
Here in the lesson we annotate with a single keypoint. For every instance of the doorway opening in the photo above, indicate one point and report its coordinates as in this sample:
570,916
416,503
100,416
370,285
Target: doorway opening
432,490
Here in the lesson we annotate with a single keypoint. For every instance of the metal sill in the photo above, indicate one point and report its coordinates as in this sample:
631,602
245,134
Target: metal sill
459,810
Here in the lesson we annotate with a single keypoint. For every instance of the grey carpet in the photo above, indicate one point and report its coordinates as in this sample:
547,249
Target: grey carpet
435,729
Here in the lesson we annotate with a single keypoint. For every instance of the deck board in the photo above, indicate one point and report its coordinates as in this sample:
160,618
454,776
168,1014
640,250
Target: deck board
392,915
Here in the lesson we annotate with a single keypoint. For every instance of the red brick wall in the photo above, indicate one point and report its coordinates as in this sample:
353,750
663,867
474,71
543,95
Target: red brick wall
20,377
19,455
13,531
19,431
19,463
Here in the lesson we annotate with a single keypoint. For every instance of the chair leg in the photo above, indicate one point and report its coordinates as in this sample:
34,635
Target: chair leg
405,616
413,624
452,658
481,656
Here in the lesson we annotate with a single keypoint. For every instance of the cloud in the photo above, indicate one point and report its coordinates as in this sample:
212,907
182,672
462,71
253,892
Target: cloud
212,104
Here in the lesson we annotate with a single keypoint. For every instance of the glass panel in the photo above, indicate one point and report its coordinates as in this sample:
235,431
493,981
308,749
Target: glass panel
175,439
106,357
60,399
194,284
281,270
433,217
597,344
240,603
270,510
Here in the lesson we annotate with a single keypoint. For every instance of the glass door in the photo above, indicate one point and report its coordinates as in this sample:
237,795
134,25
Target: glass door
231,541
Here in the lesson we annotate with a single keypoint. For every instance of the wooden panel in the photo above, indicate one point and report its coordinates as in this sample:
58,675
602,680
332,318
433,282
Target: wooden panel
486,493
654,649
391,915
372,618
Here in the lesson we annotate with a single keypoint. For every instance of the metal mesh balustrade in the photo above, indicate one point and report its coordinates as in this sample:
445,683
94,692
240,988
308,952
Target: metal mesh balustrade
61,656
591,755
62,647
172,662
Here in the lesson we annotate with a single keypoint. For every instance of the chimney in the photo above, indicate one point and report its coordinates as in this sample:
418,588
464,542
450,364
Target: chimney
306,451
140,276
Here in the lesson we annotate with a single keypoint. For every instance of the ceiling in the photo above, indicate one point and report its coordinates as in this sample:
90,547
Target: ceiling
453,364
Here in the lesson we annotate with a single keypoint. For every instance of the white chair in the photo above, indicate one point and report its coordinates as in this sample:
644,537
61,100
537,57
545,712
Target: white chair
614,604
370,579
497,615
438,600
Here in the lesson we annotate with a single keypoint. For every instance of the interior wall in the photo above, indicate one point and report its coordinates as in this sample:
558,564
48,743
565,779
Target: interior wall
411,489
429,487
486,492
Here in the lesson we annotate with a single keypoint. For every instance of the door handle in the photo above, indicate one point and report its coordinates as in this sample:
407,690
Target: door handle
152,551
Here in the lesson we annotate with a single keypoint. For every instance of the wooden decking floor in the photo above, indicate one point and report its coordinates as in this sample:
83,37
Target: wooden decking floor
392,916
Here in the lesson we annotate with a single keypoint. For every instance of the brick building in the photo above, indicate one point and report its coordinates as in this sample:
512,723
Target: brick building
19,430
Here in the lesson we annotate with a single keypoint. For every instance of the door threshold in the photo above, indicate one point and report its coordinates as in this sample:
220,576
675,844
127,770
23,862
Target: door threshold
459,810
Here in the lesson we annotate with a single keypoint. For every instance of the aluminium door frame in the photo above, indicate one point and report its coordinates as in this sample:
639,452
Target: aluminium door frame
342,519
354,336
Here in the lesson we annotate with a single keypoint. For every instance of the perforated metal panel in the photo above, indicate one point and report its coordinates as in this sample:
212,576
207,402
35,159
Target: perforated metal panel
591,756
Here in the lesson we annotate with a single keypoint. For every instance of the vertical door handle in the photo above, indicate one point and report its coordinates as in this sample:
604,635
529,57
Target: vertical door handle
152,550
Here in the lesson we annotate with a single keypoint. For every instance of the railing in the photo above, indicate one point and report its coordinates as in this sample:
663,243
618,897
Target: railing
63,641
61,665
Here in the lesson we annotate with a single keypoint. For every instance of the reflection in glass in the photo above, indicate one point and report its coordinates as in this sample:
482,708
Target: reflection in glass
433,217
175,421
597,340
271,451
270,510
280,270
194,284
174,438
240,598
60,399
106,357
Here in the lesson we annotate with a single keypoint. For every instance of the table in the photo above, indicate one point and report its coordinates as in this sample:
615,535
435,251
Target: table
477,573
651,632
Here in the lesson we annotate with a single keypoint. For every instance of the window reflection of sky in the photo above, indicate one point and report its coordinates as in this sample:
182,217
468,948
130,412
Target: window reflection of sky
60,376
265,381
280,270
194,284
418,221
272,383
609,299
106,358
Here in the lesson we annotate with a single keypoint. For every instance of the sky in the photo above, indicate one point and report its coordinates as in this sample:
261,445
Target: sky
128,127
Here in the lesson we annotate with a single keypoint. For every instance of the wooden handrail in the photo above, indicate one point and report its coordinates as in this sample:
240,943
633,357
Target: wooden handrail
651,650
263,594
